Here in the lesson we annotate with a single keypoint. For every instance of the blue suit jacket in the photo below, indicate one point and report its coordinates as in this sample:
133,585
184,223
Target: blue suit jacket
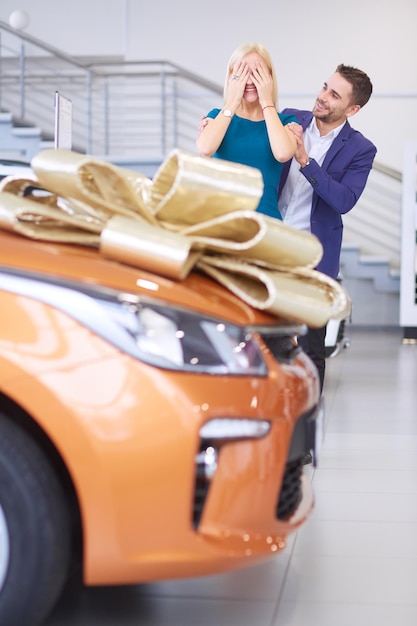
337,185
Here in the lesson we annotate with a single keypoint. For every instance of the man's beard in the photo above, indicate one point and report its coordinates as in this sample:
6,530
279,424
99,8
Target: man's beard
322,115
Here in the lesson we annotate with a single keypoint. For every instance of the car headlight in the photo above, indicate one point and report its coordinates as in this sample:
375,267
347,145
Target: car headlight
181,339
157,333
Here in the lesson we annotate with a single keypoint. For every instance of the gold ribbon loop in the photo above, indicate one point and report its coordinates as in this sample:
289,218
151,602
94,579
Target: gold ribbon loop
303,295
148,247
38,221
189,189
93,181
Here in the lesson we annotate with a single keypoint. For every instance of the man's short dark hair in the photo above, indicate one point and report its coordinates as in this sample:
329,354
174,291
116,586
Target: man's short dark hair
361,84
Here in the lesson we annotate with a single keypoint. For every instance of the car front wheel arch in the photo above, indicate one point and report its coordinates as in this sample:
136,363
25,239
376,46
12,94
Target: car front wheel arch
35,529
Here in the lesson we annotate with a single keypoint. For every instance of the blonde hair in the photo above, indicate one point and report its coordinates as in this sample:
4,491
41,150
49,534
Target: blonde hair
238,55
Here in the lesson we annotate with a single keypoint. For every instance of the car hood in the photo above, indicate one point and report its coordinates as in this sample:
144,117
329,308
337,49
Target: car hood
87,266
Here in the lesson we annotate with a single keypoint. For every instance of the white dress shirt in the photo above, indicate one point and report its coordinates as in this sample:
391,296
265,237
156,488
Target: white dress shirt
296,196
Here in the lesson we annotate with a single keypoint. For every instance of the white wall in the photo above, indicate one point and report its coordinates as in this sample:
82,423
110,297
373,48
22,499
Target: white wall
306,39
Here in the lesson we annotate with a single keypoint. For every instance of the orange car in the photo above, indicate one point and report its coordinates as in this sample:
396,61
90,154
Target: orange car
151,428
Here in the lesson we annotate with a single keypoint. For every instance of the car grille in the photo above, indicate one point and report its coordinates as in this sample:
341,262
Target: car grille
302,442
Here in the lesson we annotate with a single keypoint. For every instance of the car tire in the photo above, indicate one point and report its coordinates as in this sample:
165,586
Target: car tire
35,535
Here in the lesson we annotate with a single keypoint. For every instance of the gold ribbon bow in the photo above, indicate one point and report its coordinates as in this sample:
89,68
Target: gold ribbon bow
196,213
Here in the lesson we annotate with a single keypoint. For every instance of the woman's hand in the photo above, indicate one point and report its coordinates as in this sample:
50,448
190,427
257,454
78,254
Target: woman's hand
264,84
300,155
237,83
203,123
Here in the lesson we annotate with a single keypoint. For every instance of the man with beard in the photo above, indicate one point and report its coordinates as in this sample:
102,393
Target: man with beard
327,175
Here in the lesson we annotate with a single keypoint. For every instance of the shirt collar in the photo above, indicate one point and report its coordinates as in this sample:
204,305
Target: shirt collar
331,135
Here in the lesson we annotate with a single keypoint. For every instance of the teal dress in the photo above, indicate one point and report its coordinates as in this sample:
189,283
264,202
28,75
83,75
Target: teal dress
247,142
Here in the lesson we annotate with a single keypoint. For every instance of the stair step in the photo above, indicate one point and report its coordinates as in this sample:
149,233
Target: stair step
366,259
46,145
355,265
26,131
18,142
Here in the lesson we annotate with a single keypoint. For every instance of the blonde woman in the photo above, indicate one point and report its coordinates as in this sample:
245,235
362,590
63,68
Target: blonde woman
248,128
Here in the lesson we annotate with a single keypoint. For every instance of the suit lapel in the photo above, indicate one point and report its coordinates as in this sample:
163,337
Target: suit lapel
337,145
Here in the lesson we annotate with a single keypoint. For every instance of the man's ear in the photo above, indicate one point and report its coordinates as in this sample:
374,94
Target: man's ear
353,109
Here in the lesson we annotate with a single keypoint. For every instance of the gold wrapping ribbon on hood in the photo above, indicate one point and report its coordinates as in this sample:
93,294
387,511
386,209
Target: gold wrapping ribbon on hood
196,213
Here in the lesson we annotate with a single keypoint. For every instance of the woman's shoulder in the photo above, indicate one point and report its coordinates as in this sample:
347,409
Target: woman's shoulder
286,118
213,113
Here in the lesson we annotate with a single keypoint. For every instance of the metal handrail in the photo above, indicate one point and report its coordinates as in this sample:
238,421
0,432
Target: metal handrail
387,171
24,76
134,110
59,54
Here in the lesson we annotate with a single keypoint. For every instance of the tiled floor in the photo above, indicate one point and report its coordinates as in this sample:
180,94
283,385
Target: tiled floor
354,563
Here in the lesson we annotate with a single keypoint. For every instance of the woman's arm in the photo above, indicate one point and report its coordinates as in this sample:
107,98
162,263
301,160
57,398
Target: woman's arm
211,133
282,141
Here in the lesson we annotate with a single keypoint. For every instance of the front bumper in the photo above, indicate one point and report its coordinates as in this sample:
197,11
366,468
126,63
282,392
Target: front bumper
306,437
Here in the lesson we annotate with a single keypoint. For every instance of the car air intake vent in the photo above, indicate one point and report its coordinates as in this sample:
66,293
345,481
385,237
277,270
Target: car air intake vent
200,494
283,347
291,490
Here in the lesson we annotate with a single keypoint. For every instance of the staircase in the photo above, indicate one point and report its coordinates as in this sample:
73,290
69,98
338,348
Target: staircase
373,286
371,251
20,143
356,265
